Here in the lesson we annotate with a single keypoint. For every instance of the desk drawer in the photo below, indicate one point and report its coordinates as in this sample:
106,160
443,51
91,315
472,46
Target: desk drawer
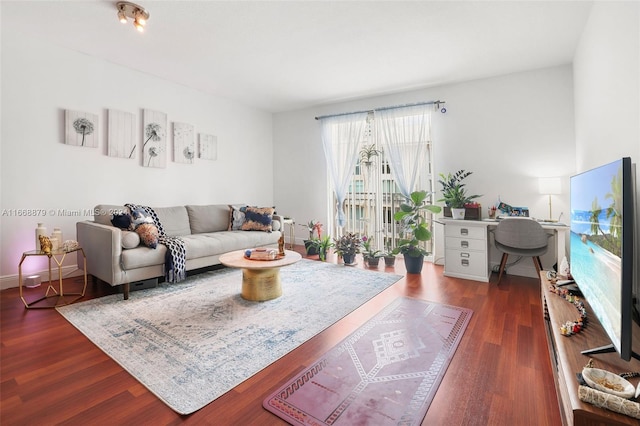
463,231
466,262
465,244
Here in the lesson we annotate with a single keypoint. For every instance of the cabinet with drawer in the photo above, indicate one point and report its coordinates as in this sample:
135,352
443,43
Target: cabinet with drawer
466,250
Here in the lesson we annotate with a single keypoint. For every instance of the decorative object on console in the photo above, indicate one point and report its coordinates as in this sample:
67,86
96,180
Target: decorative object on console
81,129
550,186
131,10
208,147
184,150
45,244
40,230
70,245
154,147
122,133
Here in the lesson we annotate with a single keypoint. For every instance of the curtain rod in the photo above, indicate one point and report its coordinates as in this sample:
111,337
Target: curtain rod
383,109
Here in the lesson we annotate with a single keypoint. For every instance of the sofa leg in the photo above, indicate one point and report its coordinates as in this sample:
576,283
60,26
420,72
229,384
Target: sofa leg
126,291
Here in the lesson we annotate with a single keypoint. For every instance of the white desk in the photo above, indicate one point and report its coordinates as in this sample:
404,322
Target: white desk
467,246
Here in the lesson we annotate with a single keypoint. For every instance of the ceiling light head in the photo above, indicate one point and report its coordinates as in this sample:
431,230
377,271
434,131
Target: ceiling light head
131,10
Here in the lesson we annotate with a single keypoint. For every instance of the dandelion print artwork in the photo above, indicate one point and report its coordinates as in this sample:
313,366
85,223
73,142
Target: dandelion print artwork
122,134
81,129
154,142
208,147
183,143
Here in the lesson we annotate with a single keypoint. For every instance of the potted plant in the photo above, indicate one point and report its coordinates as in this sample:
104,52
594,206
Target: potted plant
389,257
370,254
311,246
414,229
347,246
454,193
367,153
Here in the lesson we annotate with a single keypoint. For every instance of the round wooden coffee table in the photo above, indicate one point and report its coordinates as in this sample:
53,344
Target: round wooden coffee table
260,278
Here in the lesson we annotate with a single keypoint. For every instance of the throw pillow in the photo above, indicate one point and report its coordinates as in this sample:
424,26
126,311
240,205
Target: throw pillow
130,240
148,234
121,220
258,219
236,216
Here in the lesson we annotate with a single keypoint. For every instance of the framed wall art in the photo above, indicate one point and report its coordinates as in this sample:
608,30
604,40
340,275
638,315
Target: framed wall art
208,149
183,143
154,136
121,134
81,129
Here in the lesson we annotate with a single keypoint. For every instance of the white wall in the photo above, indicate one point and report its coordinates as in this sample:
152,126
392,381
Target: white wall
607,91
40,81
508,130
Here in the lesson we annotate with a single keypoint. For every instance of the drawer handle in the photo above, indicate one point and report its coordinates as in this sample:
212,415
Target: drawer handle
466,255
464,262
464,231
464,244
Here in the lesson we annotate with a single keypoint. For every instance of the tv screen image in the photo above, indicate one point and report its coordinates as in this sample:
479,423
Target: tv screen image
601,249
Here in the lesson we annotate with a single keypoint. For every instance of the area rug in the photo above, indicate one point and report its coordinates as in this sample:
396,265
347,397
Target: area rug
385,373
191,342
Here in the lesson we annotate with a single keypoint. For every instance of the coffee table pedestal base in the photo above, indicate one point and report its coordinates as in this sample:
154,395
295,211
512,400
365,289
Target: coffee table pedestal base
259,285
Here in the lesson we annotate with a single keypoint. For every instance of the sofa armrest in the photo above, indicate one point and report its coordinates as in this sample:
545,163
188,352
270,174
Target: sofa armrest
102,246
276,218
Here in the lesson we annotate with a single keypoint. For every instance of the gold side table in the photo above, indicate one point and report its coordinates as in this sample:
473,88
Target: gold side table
292,234
63,298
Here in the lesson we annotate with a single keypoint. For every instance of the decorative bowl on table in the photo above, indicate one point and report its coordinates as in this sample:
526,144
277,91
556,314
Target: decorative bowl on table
605,381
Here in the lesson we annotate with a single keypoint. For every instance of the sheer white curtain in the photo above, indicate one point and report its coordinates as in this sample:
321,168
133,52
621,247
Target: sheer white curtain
341,137
405,134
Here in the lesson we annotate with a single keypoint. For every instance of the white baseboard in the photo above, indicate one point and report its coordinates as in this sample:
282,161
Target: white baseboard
11,281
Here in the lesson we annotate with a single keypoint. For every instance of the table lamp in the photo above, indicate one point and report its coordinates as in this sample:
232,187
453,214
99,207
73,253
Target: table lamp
550,186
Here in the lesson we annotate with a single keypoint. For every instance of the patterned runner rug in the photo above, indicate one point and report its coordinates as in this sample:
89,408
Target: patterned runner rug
191,342
385,373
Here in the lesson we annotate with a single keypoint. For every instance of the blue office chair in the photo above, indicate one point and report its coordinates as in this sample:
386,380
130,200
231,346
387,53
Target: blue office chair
521,237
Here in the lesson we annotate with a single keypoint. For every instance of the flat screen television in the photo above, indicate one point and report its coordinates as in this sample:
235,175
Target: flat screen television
601,249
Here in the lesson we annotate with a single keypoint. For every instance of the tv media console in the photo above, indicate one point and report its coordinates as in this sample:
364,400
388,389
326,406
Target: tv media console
567,361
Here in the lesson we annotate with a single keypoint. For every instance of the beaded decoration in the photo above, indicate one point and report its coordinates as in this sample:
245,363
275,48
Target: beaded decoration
571,327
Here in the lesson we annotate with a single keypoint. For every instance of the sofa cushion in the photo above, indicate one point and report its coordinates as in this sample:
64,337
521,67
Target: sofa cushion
209,218
236,216
148,234
258,219
174,220
103,213
130,240
217,243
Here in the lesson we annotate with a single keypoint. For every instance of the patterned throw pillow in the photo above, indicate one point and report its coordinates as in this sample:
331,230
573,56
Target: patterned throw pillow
121,220
236,217
148,234
258,219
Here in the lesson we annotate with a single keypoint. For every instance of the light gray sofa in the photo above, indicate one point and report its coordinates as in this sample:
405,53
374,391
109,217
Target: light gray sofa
116,256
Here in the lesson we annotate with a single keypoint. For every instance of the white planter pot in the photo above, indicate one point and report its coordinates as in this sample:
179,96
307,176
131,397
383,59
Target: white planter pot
457,213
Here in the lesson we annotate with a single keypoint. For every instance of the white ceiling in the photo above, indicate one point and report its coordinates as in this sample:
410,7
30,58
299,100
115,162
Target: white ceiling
286,55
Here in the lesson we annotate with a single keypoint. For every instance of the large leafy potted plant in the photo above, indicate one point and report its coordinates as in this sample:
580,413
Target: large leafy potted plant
347,246
454,193
415,229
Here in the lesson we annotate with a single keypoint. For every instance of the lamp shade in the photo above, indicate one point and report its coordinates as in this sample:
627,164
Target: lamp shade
550,185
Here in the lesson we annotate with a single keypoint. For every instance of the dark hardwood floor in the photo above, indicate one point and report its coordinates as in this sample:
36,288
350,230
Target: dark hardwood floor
500,374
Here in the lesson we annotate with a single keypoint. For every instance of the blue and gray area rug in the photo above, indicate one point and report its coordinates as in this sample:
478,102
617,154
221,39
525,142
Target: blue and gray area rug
191,342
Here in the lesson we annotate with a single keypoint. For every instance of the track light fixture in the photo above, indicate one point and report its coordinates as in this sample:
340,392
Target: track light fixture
131,10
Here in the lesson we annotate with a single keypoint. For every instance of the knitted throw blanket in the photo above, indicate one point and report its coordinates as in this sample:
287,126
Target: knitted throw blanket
175,262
